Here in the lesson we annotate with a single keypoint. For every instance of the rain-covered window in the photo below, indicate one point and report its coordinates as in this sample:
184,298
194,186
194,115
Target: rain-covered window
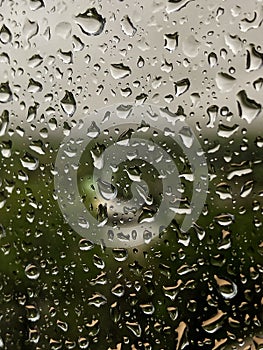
131,176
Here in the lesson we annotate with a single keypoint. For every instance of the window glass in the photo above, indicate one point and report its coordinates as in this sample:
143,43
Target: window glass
131,174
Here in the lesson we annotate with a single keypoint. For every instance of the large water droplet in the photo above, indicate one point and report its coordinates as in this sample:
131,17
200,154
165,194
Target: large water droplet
4,122
225,82
135,328
97,300
32,272
68,103
181,86
5,35
127,26
248,108
120,71
171,41
5,93
227,289
30,29
91,22
187,136
106,190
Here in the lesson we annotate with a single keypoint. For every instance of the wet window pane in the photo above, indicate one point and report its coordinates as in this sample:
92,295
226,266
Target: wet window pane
131,174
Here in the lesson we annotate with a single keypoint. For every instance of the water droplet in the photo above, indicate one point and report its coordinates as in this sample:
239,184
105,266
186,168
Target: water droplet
225,219
5,35
254,59
224,191
34,86
120,71
248,108
4,122
32,113
93,131
98,262
214,323
227,289
35,61
62,325
118,290
147,309
171,41
135,328
83,343
85,244
247,24
147,236
140,62
32,312
5,93
247,189
115,312
127,26
32,272
258,84
97,300
91,22
225,82
227,131
120,254
3,199
212,112
106,190
30,29
234,43
29,162
212,59
68,103
181,86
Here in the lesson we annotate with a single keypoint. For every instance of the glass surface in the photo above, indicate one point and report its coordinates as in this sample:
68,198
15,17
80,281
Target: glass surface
131,174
